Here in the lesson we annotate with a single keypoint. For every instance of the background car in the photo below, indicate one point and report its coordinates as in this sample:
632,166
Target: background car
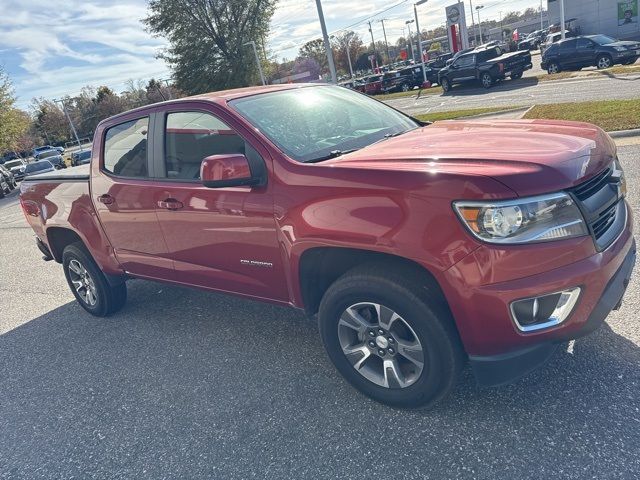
16,167
533,40
80,158
36,168
8,178
554,38
404,80
4,187
373,85
57,161
587,51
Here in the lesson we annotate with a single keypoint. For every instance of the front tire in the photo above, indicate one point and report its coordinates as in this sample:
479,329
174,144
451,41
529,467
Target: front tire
553,68
487,80
604,61
516,76
445,84
89,285
391,339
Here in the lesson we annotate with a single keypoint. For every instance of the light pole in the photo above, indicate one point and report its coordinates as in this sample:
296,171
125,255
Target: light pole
327,44
541,20
415,12
386,44
373,43
408,24
562,19
73,128
478,8
348,39
255,52
473,23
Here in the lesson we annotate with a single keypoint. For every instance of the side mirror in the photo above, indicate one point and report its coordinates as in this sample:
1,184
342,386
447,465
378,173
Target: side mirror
230,170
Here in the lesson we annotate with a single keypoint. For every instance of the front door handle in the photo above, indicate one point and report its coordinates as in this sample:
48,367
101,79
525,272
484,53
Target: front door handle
106,199
170,204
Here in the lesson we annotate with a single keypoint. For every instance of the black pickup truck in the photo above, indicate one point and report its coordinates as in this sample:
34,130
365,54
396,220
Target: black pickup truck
486,65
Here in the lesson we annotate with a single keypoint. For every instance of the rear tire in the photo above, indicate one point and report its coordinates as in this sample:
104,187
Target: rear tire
429,354
487,80
89,285
516,76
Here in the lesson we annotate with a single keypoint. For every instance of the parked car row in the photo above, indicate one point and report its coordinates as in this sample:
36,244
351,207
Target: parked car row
600,51
16,170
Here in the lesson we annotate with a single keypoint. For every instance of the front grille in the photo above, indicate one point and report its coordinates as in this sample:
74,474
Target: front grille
601,202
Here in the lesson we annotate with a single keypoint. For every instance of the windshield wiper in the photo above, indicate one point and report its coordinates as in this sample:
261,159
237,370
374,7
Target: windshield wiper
332,154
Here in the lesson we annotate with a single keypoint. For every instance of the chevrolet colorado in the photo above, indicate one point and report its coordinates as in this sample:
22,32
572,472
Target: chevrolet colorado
419,247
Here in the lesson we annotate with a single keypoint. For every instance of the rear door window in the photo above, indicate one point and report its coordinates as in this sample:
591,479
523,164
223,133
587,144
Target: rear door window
125,149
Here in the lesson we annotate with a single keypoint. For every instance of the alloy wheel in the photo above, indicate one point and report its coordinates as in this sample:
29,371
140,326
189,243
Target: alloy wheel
553,68
380,345
604,62
83,283
487,81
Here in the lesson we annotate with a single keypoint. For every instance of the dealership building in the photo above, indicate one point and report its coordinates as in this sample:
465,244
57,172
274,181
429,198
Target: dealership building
616,18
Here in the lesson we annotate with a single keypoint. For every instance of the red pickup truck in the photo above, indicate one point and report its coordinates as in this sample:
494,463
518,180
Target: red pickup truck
419,247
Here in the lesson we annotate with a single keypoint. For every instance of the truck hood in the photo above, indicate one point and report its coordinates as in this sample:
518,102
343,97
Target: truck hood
528,156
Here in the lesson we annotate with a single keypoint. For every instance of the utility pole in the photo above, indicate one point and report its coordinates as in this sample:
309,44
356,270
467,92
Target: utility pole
327,43
501,31
386,44
415,12
408,24
73,128
478,8
166,82
541,20
375,52
562,27
255,53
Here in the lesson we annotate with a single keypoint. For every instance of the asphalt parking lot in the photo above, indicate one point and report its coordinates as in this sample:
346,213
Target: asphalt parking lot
186,384
524,92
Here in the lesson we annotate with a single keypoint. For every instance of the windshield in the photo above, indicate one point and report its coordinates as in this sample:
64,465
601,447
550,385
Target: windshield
13,164
603,39
37,166
310,123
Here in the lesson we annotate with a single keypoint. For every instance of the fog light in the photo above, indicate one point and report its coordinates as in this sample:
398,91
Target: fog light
546,311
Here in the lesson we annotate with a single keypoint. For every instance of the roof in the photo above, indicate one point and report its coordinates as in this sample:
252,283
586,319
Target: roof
248,91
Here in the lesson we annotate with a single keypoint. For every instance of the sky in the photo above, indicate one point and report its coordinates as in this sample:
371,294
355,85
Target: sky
52,48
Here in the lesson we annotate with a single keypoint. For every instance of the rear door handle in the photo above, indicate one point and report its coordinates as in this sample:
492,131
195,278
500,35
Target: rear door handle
106,199
170,204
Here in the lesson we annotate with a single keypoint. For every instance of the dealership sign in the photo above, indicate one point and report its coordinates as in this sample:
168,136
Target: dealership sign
627,12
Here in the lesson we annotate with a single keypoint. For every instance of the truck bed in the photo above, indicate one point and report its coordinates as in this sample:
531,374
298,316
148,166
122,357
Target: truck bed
78,174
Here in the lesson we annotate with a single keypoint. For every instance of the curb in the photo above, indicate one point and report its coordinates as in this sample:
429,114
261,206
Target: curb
586,77
500,112
625,133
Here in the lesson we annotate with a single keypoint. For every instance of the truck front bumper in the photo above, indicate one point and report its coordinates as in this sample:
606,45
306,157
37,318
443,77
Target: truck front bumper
493,370
481,289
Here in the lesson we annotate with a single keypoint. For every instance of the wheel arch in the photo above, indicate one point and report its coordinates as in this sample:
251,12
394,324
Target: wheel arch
58,238
319,267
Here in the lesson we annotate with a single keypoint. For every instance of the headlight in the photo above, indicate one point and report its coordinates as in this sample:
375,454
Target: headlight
523,220
620,49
